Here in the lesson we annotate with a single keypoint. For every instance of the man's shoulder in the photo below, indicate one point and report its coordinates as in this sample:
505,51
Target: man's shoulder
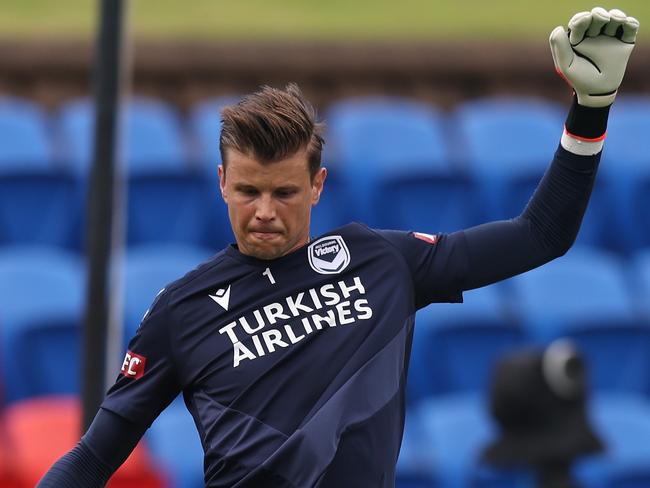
203,275
349,230
364,231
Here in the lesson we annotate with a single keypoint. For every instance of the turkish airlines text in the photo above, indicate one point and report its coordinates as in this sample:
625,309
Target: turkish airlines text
266,330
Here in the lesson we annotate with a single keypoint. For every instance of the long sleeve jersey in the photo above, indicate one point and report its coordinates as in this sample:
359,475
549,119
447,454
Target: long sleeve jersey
294,369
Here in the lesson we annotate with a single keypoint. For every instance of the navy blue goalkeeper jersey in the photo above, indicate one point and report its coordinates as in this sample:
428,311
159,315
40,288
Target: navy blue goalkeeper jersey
294,368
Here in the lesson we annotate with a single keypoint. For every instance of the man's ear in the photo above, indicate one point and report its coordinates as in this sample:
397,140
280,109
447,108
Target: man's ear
222,182
317,185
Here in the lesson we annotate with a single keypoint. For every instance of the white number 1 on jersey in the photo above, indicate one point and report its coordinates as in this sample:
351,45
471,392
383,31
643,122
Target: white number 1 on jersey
268,274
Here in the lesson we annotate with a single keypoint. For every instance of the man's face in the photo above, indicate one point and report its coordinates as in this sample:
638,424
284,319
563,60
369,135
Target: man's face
269,205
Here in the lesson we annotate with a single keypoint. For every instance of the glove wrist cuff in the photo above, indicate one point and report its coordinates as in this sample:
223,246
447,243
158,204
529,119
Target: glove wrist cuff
587,123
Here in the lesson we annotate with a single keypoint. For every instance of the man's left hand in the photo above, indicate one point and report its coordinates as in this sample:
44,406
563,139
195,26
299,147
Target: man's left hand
593,54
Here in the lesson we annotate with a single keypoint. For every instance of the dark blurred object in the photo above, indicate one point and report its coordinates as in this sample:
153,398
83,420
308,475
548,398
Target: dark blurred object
538,398
103,228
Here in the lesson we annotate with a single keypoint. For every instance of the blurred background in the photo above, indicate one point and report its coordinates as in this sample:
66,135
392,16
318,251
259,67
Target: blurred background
440,115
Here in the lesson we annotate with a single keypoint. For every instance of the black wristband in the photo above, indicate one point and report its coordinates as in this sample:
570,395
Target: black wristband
587,122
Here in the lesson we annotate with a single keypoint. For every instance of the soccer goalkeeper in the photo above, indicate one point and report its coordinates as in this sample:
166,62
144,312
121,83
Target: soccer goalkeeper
291,353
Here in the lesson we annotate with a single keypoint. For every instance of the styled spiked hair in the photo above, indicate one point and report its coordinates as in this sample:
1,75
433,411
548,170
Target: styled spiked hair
271,125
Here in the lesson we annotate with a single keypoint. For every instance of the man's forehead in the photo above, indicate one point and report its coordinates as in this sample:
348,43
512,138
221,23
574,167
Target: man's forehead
293,169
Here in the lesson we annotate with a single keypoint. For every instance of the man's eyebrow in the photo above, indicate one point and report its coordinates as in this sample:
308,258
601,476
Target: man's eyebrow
288,187
244,186
284,188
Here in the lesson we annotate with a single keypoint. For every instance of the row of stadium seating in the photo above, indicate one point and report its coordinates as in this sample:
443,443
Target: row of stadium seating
393,163
588,295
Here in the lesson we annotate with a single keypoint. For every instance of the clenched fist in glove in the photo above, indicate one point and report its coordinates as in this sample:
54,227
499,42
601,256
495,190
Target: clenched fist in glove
593,54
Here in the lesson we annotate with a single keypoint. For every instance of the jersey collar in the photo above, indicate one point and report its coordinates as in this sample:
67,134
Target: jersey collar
300,253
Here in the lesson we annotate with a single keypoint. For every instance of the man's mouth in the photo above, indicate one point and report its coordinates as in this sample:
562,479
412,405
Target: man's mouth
264,234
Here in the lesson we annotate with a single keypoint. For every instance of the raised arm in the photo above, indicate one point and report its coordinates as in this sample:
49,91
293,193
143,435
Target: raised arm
591,57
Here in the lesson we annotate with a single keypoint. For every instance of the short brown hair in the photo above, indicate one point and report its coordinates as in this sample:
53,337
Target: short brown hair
271,125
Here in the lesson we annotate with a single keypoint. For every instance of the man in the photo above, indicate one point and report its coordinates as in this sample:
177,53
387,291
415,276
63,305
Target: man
292,353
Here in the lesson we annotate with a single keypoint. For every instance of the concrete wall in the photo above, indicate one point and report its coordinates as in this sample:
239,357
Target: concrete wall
184,73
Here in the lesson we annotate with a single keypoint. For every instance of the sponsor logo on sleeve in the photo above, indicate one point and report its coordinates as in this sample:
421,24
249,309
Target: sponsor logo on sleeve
430,238
328,255
133,365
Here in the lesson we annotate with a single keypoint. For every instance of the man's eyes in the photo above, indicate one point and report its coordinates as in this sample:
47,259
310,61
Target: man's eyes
248,191
280,193
285,193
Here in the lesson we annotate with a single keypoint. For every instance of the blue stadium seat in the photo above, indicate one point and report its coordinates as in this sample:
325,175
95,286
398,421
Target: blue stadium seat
168,199
454,428
426,202
455,345
413,469
205,127
46,351
150,268
75,123
506,144
485,476
155,141
24,138
393,156
173,428
41,303
584,296
637,477
152,137
386,134
27,170
408,481
332,208
640,270
508,135
626,164
623,423
196,215
182,208
41,208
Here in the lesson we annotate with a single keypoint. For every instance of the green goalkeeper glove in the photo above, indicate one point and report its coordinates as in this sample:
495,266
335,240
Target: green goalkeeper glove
593,54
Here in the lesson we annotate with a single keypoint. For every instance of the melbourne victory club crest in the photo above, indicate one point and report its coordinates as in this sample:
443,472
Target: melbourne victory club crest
328,255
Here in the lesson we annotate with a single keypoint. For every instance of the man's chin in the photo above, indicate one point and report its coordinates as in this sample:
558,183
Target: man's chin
267,254
266,250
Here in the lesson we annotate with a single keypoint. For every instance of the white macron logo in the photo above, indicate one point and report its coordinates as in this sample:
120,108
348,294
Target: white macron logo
328,255
222,297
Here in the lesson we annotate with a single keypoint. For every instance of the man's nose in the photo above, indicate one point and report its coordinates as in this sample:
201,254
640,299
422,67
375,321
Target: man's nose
265,208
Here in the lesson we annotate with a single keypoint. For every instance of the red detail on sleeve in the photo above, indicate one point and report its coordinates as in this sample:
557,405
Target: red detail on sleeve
585,139
133,365
431,239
